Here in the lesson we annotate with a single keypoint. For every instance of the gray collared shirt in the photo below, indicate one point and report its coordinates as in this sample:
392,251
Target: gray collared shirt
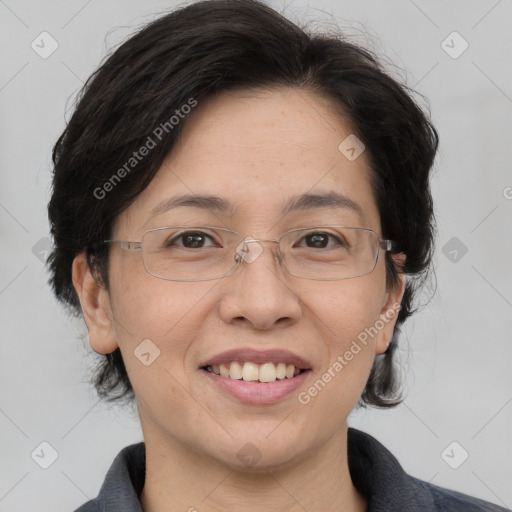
375,472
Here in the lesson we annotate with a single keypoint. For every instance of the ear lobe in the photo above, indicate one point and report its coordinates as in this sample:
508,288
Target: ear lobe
94,300
390,309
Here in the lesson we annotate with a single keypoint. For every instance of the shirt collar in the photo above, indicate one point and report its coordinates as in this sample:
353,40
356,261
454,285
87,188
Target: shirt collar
375,472
378,476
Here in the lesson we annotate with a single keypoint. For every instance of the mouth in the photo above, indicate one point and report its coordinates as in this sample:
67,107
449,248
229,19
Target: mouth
256,365
252,372
254,376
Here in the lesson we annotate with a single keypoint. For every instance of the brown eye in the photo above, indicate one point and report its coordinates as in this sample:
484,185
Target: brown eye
320,240
189,240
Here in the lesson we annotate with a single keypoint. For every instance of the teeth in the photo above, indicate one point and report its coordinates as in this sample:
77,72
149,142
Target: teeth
249,371
267,372
224,371
281,371
235,370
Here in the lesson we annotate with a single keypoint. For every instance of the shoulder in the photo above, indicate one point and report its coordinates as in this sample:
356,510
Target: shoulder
446,499
90,506
123,483
378,475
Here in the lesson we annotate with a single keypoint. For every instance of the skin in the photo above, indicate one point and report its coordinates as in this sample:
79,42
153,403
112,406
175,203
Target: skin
256,150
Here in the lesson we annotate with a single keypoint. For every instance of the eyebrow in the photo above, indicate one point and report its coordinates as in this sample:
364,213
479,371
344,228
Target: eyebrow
303,202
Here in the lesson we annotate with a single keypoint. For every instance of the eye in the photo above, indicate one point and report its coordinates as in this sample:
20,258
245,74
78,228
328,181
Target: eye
320,240
189,240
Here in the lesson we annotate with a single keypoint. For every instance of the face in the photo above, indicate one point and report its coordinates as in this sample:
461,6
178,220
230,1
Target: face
255,151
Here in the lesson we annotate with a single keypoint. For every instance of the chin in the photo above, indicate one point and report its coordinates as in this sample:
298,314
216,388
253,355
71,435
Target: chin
255,454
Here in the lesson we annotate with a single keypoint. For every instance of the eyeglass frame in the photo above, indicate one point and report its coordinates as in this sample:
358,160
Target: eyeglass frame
386,245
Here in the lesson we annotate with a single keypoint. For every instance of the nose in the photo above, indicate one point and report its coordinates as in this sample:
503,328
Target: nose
259,292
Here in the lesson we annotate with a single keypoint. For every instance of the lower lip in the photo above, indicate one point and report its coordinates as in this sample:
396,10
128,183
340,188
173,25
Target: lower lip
255,392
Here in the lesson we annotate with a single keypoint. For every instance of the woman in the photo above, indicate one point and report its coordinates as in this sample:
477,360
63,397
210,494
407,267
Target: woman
242,214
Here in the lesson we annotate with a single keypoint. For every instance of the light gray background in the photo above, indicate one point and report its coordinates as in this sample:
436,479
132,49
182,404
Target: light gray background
456,352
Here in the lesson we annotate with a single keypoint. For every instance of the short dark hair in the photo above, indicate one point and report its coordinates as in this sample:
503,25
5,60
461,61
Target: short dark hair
209,47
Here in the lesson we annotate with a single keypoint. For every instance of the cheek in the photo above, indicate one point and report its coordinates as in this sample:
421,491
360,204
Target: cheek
347,307
344,317
350,353
156,324
170,315
145,307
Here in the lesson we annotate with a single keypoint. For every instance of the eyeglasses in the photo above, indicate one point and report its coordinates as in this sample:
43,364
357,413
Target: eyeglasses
200,253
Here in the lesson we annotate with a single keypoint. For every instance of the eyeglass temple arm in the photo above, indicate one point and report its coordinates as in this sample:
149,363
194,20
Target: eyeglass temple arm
130,246
388,245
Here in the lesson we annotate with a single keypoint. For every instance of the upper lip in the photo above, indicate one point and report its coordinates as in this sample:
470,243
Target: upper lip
257,356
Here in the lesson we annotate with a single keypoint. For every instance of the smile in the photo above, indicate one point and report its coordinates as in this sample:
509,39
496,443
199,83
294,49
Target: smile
248,371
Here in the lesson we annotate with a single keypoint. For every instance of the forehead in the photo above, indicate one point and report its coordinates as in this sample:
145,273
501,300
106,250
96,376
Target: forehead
263,155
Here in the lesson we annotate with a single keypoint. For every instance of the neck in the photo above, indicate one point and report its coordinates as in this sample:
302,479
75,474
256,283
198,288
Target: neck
179,478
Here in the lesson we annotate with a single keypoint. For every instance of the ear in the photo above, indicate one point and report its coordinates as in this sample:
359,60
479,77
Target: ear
96,309
390,308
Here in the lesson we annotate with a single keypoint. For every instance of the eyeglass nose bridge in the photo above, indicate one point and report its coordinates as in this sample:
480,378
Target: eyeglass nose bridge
244,253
